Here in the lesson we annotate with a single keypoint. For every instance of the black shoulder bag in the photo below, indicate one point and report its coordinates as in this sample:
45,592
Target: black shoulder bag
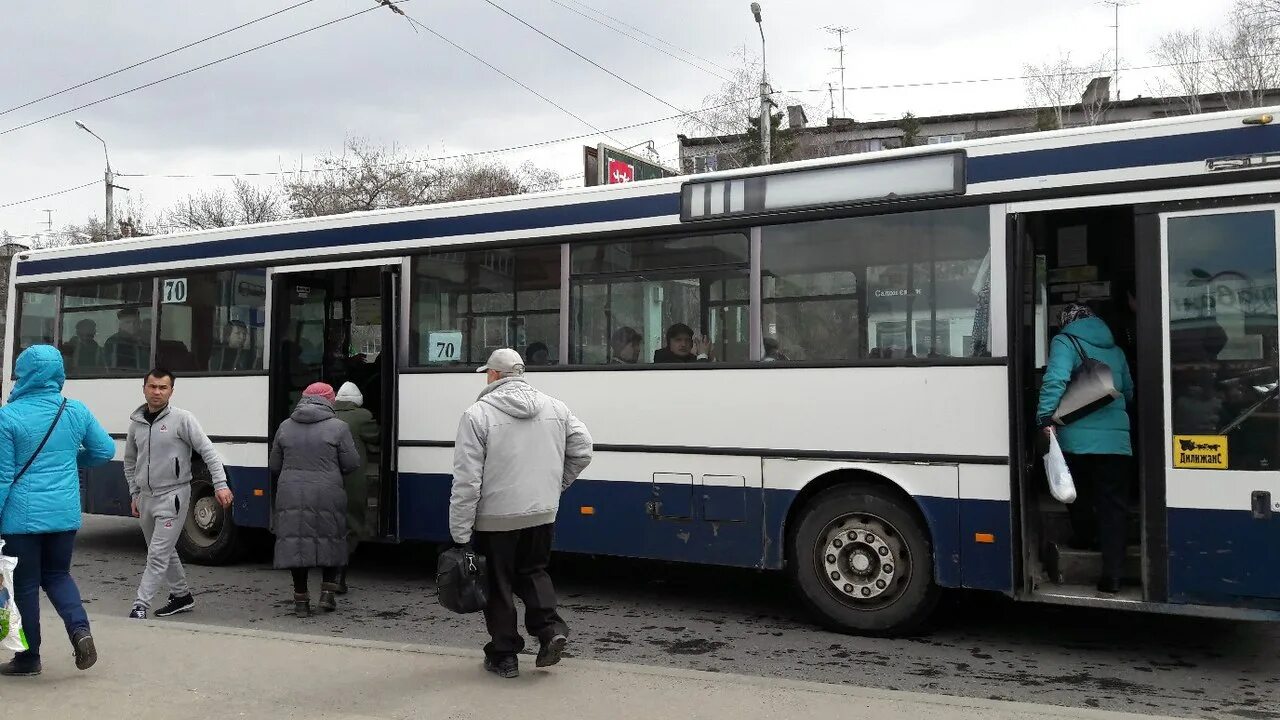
40,447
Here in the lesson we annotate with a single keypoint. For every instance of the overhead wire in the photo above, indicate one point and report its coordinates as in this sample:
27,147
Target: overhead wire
64,191
650,35
153,58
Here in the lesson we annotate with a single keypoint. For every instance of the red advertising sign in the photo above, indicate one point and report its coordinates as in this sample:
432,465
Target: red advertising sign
620,172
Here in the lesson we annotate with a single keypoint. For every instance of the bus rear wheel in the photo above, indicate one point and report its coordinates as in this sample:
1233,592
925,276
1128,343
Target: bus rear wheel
209,534
862,562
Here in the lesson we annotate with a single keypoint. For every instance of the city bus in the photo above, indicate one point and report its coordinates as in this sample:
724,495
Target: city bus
870,334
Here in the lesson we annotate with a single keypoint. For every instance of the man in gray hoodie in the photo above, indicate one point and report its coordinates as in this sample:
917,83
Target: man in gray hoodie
516,451
157,465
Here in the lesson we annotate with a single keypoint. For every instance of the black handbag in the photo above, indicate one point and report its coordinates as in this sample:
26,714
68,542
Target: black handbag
462,580
1092,387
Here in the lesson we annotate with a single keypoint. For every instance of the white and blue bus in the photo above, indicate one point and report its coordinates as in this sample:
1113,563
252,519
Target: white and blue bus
876,329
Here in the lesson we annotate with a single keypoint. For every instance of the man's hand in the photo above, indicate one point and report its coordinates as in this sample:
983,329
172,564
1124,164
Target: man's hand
133,507
225,497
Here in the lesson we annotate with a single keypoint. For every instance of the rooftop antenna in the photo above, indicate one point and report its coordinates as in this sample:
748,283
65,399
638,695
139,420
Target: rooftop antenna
1116,5
839,31
48,223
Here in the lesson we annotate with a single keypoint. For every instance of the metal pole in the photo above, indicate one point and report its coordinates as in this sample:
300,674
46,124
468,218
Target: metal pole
844,107
1117,51
111,209
766,121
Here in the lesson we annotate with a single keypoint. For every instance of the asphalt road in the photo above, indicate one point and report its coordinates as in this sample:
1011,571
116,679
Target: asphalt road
747,622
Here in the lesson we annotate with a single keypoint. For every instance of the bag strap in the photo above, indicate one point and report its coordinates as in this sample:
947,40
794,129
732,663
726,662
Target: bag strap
40,447
1076,342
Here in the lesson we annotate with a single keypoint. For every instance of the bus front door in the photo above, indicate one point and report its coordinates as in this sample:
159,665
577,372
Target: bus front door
1220,438
339,325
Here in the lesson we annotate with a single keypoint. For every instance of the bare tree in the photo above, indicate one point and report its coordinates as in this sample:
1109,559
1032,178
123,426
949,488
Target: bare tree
729,105
243,205
1188,76
1265,13
1246,55
363,177
1058,86
472,179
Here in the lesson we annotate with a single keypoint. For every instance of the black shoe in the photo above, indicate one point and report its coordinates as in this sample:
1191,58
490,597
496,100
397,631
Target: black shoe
138,613
507,667
328,603
176,605
1109,586
342,582
20,668
551,650
86,652
302,605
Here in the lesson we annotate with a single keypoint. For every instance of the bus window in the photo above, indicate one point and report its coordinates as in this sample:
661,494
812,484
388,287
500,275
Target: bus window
212,321
468,304
37,312
884,287
106,328
662,301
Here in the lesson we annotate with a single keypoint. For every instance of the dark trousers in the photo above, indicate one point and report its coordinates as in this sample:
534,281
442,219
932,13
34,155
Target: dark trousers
517,563
1100,514
329,575
44,561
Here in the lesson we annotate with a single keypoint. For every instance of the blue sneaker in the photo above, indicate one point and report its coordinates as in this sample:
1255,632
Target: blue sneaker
138,613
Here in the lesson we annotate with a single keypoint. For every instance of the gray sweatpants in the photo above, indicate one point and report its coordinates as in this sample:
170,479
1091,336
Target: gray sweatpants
162,517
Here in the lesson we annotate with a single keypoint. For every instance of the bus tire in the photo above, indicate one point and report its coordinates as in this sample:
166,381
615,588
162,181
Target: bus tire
209,534
862,562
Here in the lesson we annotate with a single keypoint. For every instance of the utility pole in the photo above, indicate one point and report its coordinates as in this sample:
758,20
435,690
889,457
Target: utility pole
110,178
1116,5
831,90
839,31
766,117
48,223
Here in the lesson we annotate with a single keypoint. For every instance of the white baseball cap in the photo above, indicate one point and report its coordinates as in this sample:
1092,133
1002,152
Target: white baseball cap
504,360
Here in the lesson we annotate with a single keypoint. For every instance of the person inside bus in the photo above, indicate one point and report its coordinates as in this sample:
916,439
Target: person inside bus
82,352
126,350
773,351
625,346
1097,447
233,353
537,354
683,347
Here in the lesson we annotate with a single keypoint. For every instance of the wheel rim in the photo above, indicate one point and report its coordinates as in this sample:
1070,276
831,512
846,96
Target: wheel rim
204,523
864,559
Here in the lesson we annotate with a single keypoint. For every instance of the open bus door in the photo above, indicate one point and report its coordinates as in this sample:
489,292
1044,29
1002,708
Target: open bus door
338,324
1219,443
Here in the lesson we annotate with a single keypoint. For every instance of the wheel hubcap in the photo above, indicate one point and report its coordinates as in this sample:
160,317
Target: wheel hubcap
864,560
205,522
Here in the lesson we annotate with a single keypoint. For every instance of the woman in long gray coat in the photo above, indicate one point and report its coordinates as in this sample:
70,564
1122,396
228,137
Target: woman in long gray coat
313,449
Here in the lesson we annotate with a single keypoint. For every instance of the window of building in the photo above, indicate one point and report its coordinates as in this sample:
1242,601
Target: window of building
943,139
106,327
212,322
37,311
891,286
654,301
468,304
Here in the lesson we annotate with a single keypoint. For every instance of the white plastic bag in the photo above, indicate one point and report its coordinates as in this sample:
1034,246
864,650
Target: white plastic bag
11,635
1061,485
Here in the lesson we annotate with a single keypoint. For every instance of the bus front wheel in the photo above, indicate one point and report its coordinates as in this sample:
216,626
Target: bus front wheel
209,534
863,562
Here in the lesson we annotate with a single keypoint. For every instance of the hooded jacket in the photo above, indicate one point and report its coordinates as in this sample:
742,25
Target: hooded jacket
516,451
157,454
47,498
1106,430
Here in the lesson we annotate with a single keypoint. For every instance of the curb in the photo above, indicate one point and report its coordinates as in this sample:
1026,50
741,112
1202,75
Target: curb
756,683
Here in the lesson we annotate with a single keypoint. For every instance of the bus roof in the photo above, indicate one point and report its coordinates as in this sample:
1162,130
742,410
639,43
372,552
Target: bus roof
1167,148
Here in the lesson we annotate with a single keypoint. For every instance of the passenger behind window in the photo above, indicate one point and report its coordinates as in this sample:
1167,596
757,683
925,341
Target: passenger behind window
234,352
537,354
126,349
82,352
773,351
625,346
682,347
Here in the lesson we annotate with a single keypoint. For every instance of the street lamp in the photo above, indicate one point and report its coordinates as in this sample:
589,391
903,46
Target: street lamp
765,120
110,178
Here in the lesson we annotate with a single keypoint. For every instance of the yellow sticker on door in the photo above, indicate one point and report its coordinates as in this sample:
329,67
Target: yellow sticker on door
1200,452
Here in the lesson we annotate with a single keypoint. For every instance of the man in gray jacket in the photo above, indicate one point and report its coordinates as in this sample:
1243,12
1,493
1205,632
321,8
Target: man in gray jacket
517,450
157,465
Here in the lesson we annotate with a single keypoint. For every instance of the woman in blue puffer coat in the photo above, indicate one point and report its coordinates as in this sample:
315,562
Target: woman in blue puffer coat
40,511
1097,447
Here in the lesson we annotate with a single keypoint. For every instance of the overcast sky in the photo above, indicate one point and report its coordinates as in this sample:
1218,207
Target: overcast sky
373,76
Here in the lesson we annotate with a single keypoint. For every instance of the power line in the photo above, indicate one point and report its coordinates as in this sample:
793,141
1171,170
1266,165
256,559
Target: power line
458,156
652,36
52,194
191,70
508,76
140,63
664,51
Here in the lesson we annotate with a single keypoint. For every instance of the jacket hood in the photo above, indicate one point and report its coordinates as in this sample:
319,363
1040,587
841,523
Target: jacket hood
39,370
515,397
1093,331
312,409
350,393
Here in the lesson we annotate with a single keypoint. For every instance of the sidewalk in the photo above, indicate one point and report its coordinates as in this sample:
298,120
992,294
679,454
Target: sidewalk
176,670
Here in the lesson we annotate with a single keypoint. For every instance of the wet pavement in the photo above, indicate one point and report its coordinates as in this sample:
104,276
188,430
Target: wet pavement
747,622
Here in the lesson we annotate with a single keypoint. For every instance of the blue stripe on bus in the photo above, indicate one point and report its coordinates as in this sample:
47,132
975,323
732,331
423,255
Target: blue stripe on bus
105,492
635,208
1122,154
1223,557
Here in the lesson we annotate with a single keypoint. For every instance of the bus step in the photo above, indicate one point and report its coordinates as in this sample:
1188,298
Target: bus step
1068,566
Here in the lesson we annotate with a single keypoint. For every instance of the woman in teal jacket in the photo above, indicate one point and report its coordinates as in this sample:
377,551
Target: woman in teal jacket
40,511
1097,446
